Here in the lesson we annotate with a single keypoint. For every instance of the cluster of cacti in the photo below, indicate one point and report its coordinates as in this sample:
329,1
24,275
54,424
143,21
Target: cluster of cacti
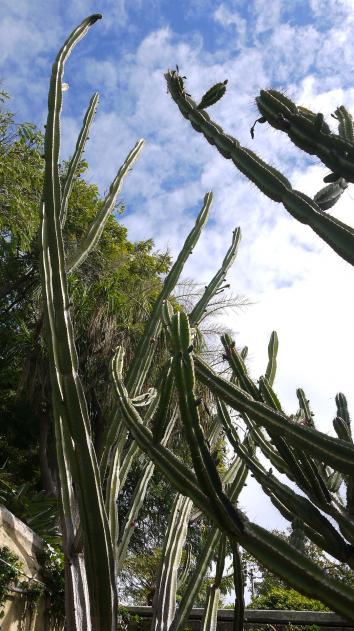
90,482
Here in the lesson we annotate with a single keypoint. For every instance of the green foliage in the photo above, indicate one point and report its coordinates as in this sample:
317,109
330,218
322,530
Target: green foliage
51,561
286,598
37,510
10,570
112,295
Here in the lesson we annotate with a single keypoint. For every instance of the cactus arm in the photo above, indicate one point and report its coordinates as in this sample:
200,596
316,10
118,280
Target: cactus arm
195,580
206,555
112,490
268,395
143,355
238,366
304,405
301,506
160,418
279,556
342,408
335,452
156,417
342,425
284,560
198,310
89,242
329,195
131,517
181,476
317,487
138,500
308,132
183,575
272,358
239,612
306,471
60,340
289,515
164,605
271,182
203,463
113,435
81,141
268,451
210,616
345,124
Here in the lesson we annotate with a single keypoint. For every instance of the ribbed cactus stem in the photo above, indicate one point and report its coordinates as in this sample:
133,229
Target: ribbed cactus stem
75,160
239,610
272,358
165,598
308,132
144,352
339,236
68,397
335,452
210,616
89,241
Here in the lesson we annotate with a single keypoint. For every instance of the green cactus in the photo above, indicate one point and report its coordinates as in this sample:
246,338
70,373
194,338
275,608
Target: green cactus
210,616
213,95
69,407
333,150
165,598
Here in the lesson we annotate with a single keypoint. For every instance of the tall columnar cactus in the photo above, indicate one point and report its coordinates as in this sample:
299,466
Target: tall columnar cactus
310,133
76,456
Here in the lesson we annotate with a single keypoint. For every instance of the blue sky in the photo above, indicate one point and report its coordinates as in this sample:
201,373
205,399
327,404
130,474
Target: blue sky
306,47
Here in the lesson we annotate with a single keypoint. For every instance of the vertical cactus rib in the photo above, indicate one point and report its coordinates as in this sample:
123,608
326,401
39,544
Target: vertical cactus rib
144,353
203,463
217,280
234,488
339,236
335,452
88,242
272,358
75,160
165,597
239,611
60,340
210,616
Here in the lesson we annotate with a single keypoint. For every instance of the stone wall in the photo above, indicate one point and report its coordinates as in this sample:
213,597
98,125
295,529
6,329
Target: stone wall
21,540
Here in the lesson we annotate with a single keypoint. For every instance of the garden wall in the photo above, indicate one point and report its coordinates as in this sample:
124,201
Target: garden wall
21,540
